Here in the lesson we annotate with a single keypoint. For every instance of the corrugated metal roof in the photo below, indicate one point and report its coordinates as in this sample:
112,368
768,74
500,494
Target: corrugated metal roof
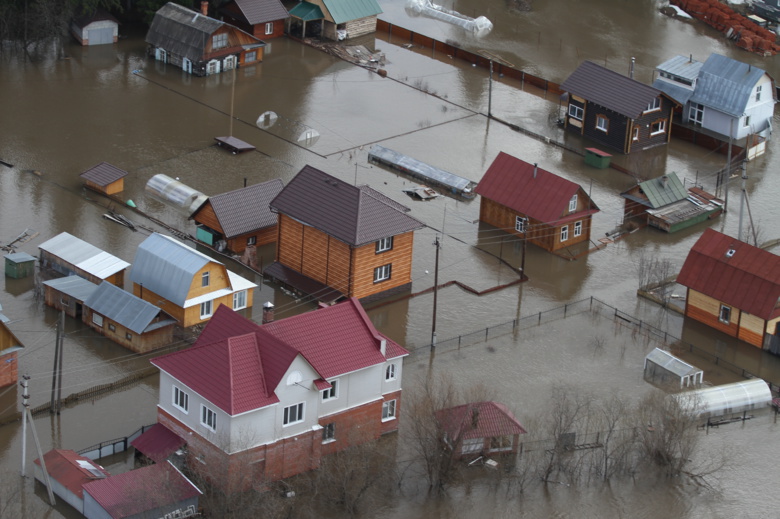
346,212
609,89
245,210
681,66
122,307
142,490
64,467
307,11
166,267
543,196
262,11
182,31
73,286
157,443
81,254
103,174
678,92
479,420
663,190
748,279
726,84
344,11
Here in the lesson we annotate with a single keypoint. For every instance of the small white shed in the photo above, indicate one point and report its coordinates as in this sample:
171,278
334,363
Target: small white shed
99,28
726,399
661,366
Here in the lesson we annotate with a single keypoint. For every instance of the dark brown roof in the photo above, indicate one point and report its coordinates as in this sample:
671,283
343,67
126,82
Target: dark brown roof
245,210
262,11
609,89
103,174
354,215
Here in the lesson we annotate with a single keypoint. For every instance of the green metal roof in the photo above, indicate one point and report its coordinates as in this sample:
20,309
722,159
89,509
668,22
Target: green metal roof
344,11
307,12
664,190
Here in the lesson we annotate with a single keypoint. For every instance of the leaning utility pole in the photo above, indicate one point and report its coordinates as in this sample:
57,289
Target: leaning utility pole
435,292
25,405
742,201
28,417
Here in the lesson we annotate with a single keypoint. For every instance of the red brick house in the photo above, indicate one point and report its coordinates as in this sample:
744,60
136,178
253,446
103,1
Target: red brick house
480,429
529,202
262,19
257,404
734,287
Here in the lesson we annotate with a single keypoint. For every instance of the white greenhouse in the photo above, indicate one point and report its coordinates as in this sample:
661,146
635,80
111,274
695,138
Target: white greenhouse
727,399
663,367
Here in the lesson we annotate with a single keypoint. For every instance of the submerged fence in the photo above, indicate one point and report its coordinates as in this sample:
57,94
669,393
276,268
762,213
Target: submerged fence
107,448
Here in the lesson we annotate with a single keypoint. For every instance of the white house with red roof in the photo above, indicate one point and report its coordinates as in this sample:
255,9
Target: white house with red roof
261,403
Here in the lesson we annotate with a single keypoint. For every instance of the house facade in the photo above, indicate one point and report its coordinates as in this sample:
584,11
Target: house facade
186,284
67,255
263,19
615,111
257,404
734,287
198,44
98,28
531,203
337,240
480,429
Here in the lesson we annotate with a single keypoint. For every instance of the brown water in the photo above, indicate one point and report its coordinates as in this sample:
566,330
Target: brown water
62,116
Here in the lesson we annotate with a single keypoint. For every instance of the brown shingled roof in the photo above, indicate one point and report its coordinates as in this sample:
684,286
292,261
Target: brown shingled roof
103,174
262,11
245,210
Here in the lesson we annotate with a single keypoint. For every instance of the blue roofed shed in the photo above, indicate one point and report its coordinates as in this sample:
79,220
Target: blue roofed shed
342,19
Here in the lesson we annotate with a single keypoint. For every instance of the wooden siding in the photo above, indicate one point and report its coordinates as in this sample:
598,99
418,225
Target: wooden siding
236,39
365,259
339,266
62,302
263,236
218,279
190,316
258,31
208,217
314,262
139,343
9,369
615,136
175,311
289,247
113,188
751,329
707,310
645,121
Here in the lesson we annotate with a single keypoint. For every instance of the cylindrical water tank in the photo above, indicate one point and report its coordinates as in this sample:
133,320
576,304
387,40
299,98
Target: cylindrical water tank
172,192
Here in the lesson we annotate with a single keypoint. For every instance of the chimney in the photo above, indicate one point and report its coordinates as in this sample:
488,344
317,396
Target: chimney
535,168
204,10
383,346
664,179
631,69
268,312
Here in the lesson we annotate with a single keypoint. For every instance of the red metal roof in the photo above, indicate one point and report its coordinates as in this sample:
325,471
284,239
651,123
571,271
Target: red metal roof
142,490
62,465
157,443
479,420
543,196
748,279
237,364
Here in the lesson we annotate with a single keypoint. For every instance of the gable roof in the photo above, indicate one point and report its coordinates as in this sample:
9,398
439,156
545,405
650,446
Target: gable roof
157,443
479,420
103,174
307,11
73,286
121,306
344,11
83,255
14,344
237,364
354,215
71,470
543,196
261,11
609,89
660,191
245,210
748,280
726,84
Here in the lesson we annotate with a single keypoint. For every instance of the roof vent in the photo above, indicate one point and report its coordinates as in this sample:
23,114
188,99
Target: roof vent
535,168
730,252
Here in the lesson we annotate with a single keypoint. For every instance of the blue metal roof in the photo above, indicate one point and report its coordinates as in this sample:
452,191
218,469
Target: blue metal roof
166,267
725,84
122,307
343,11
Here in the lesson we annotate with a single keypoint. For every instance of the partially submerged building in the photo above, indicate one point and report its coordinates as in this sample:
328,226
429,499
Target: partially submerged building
9,359
480,429
338,19
738,397
68,294
68,473
662,367
105,178
97,28
264,19
68,256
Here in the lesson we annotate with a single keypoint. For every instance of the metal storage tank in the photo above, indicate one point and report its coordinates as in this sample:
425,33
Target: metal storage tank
726,399
174,193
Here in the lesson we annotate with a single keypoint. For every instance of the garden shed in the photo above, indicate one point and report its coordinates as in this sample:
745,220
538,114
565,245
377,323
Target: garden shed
726,399
661,366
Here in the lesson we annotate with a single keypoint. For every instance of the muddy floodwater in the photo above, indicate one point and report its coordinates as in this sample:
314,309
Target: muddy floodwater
64,114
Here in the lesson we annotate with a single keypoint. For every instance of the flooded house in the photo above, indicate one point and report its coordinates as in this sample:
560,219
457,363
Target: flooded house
338,19
734,288
264,19
68,256
525,200
68,294
336,240
96,28
616,111
305,386
68,473
186,284
9,348
238,219
198,44
480,429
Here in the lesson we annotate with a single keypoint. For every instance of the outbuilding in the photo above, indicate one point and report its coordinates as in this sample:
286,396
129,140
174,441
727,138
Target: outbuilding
98,28
68,255
68,472
68,294
726,399
105,178
19,265
661,366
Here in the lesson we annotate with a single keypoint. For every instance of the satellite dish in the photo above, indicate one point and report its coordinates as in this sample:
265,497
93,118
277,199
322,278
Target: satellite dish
308,137
266,120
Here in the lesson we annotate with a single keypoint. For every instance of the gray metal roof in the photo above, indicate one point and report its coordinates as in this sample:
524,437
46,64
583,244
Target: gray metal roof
346,212
664,190
166,267
122,307
103,174
678,92
609,89
405,163
81,254
681,66
19,257
262,11
245,210
344,11
182,31
725,84
74,286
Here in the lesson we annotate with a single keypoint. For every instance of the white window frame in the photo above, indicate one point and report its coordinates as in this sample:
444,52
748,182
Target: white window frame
385,244
208,417
696,113
332,392
382,273
269,28
724,311
329,432
521,224
653,105
97,319
219,41
298,415
206,309
390,372
564,233
252,240
239,300
635,137
661,127
758,93
576,112
388,410
602,123
205,279
212,67
573,204
747,121
184,397
230,62
577,228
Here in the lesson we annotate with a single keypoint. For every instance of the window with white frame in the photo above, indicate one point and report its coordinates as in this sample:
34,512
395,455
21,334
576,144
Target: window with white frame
521,223
602,123
636,134
329,433
658,127
653,105
208,417
390,372
212,67
252,240
747,121
725,314
573,204
181,400
564,233
219,41
97,319
205,309
293,414
758,93
696,113
382,273
577,229
239,300
388,410
331,392
576,112
384,244
230,62
205,279
269,28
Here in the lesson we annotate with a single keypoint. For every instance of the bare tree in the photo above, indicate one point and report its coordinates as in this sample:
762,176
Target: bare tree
569,410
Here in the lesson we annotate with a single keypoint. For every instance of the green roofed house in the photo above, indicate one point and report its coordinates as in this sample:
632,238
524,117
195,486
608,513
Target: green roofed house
666,204
339,19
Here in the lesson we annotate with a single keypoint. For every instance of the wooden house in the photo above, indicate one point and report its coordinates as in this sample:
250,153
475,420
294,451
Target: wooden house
264,19
256,404
337,240
186,284
9,347
480,429
534,204
665,204
198,44
98,28
105,178
68,294
127,320
616,111
734,287
67,255
339,19
237,219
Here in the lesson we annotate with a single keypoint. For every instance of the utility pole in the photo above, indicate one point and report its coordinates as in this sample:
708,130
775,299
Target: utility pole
28,417
25,405
490,89
742,201
55,370
728,166
435,293
59,361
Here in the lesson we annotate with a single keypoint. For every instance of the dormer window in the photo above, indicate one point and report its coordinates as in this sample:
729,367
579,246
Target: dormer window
730,253
653,105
